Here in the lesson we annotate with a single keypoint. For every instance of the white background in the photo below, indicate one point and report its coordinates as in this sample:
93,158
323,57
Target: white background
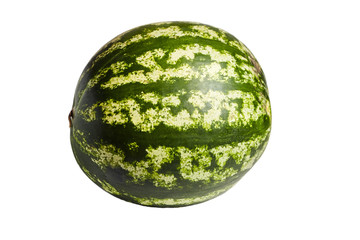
305,186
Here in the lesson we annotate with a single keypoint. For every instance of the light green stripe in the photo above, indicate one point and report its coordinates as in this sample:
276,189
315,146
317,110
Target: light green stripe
194,163
169,32
185,71
209,72
151,201
104,184
189,51
178,201
147,119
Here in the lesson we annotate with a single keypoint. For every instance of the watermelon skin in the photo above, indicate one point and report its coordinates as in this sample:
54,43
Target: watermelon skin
170,114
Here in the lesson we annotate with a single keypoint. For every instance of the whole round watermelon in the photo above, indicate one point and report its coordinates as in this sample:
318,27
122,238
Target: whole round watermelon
170,114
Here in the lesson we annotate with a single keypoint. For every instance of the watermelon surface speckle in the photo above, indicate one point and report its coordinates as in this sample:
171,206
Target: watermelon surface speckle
170,114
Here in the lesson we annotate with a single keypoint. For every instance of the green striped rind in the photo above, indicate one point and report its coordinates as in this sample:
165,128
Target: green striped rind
170,114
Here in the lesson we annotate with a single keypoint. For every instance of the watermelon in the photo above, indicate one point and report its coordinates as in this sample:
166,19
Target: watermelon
170,114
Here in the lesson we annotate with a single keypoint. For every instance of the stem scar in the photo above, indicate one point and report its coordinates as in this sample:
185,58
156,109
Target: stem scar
70,117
